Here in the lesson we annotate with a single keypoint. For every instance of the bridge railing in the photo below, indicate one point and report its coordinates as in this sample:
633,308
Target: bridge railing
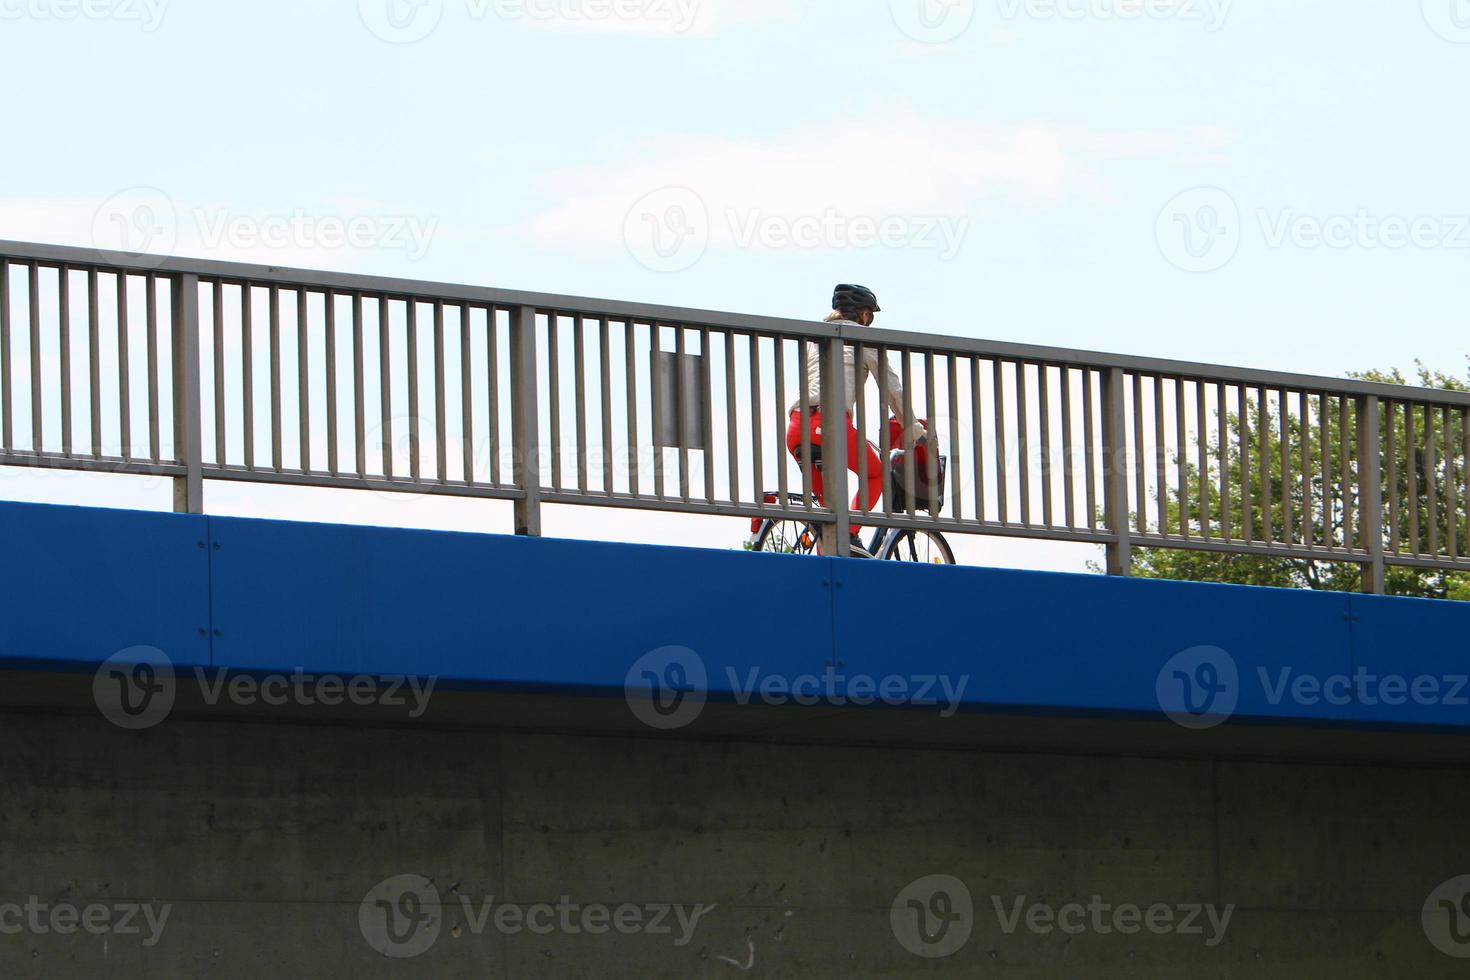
199,370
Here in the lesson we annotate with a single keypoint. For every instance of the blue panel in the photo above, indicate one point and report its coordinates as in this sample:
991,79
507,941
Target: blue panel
1411,660
1052,642
79,584
504,610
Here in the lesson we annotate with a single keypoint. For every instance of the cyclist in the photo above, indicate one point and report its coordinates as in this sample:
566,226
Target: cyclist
852,306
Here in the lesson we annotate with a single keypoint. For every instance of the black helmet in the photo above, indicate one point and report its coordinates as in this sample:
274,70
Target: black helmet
848,299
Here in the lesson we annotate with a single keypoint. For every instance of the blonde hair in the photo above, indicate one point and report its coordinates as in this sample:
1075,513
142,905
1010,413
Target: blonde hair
834,316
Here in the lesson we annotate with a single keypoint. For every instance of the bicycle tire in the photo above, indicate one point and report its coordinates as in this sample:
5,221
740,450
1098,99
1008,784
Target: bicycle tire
924,547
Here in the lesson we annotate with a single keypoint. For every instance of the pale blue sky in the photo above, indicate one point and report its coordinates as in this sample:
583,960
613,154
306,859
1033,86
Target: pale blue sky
1053,135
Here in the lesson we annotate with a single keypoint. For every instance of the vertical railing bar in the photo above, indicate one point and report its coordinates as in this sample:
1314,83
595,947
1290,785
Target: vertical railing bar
467,396
1247,504
707,403
1304,432
1089,448
411,337
1181,435
1430,484
604,338
124,370
956,460
1370,492
525,420
1140,456
1002,478
1202,456
836,540
885,437
385,384
1284,427
188,440
275,338
1451,491
1161,462
1043,391
732,424
656,398
1412,450
492,371
579,382
977,465
634,450
860,444
681,417
329,298
1349,509
94,363
1023,442
908,427
63,280
1115,468
7,382
1394,488
931,458
1465,474
359,385
1069,490
803,386
247,369
441,419
37,434
781,420
757,454
1222,433
553,360
1329,496
151,301
1268,493
303,372
217,319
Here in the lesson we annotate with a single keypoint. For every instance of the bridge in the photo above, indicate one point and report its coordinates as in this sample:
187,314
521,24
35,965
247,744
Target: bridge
244,746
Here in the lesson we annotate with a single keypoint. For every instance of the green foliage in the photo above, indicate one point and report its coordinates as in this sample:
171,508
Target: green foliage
1318,507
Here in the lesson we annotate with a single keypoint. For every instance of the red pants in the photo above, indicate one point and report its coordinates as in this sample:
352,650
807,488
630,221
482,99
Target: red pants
869,493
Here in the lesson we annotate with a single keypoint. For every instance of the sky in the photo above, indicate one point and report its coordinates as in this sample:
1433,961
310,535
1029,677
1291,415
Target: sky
1277,185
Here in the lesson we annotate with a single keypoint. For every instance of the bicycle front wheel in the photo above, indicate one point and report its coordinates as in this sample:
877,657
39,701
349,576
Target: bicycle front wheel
924,547
787,538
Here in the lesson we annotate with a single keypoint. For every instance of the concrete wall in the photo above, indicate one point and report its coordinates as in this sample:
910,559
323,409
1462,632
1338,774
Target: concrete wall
265,838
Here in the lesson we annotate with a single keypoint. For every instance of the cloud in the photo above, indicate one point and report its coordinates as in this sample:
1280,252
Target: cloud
904,165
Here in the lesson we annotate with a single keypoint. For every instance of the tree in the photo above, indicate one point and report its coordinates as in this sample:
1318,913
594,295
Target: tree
1328,496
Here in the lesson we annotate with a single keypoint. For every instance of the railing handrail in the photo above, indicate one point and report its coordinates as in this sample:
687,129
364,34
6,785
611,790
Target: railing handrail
345,282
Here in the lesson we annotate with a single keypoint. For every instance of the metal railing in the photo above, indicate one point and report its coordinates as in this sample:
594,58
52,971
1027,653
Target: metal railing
200,370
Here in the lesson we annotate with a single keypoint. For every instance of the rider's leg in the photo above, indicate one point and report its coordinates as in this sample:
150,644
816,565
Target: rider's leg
793,444
870,490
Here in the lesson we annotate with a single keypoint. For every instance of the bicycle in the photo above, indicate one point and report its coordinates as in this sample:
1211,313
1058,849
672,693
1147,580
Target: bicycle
797,537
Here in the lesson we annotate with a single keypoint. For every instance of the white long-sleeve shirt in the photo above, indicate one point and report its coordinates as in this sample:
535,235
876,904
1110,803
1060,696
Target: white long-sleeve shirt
871,366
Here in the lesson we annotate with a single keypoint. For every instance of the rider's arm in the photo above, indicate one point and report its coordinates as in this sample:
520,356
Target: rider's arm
896,395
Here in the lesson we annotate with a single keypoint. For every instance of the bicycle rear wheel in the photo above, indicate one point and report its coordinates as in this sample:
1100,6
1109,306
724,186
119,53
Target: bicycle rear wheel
787,538
924,547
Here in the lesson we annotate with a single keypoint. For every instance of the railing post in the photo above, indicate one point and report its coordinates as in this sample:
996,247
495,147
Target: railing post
1115,473
836,536
1370,492
525,422
188,442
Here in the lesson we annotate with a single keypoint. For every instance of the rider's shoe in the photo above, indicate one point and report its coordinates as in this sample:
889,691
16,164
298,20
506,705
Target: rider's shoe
857,549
